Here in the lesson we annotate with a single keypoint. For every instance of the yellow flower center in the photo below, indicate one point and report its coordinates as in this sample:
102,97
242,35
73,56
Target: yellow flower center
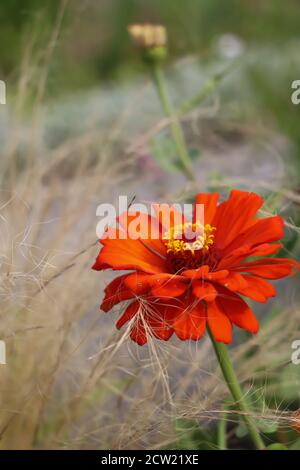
189,237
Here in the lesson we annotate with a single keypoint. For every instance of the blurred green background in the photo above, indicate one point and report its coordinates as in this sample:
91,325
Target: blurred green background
94,44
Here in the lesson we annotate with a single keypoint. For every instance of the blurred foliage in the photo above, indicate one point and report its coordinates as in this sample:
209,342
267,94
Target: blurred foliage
95,36
16,19
189,435
274,98
93,44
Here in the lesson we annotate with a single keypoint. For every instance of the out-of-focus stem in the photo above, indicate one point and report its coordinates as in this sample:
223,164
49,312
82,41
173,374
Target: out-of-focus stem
175,127
236,391
222,428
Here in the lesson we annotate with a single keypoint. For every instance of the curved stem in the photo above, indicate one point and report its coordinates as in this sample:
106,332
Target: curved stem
175,127
236,391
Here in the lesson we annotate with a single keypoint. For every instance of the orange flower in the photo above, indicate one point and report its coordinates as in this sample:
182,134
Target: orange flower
296,421
181,285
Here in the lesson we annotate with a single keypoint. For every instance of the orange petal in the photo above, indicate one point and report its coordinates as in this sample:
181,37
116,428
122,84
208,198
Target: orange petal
235,257
115,292
270,268
144,227
237,311
161,285
159,318
210,201
199,273
204,291
263,231
168,285
155,319
235,215
217,275
257,289
137,282
190,322
138,333
204,273
129,313
234,282
129,254
265,249
219,323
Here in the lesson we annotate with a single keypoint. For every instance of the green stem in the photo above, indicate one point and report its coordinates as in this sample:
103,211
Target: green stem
175,127
222,429
236,391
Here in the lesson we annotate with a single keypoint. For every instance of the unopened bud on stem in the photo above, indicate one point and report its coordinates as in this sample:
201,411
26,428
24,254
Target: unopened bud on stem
151,39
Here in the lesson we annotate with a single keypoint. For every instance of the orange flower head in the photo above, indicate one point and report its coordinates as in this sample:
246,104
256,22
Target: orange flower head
194,274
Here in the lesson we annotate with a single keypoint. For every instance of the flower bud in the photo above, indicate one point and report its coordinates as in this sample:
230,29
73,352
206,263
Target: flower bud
152,39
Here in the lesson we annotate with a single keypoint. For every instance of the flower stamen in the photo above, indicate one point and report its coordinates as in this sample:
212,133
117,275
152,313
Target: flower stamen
189,237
